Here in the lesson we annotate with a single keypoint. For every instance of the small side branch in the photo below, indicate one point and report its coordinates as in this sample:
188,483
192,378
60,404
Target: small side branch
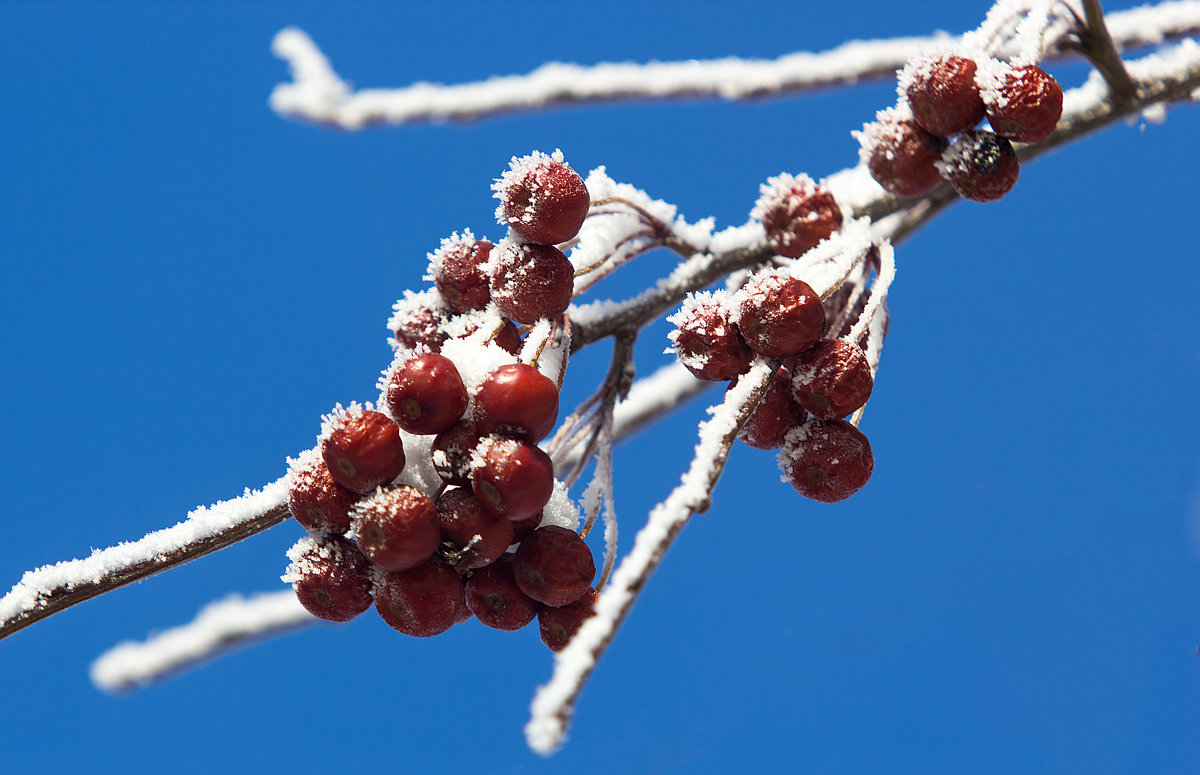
1096,44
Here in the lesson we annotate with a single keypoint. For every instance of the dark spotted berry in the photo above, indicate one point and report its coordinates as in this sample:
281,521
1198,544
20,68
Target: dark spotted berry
363,450
493,596
554,566
530,282
1023,103
832,379
425,394
982,166
900,155
516,400
796,213
331,579
558,625
542,199
826,460
707,342
424,601
779,315
942,94
317,502
397,528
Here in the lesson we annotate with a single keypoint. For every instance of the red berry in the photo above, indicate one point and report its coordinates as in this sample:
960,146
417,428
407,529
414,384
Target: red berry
516,400
796,214
514,479
458,272
832,379
508,338
426,394
542,199
826,460
363,450
526,525
471,537
900,155
530,282
554,566
317,502
496,600
417,324
982,166
424,601
559,625
332,580
779,315
942,94
776,414
397,528
707,342
1023,103
451,452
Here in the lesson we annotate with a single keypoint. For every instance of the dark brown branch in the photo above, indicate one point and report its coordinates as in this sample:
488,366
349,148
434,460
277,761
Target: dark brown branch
1097,46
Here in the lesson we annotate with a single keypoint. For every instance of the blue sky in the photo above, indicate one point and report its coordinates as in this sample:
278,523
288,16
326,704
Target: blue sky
189,281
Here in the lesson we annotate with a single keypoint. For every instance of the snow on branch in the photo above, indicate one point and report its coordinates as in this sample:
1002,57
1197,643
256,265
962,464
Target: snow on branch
319,95
52,588
219,627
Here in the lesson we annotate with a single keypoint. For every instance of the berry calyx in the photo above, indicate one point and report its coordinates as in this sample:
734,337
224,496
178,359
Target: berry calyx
424,601
493,596
317,502
832,379
796,213
707,342
942,93
513,479
776,414
331,578
901,155
458,273
779,315
471,537
826,460
530,282
397,528
982,166
554,566
558,625
1023,103
363,450
542,198
516,400
426,395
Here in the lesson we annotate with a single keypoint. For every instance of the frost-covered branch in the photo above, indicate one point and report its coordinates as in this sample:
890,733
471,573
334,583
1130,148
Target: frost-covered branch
317,94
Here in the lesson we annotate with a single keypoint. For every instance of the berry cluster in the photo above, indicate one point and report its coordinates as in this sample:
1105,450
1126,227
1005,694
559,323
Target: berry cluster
908,149
440,506
821,380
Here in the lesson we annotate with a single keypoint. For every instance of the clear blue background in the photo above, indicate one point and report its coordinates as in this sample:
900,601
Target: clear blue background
188,281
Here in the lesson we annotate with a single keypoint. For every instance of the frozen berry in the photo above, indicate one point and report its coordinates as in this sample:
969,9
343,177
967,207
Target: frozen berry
418,325
542,199
942,94
424,601
471,537
317,502
458,273
516,400
1023,103
331,579
530,282
982,166
363,450
796,213
832,379
707,342
513,479
426,394
451,452
826,460
900,155
779,315
559,625
508,338
554,566
397,528
776,414
496,600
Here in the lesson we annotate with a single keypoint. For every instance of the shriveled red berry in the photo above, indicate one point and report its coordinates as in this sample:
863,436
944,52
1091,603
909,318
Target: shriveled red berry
530,282
796,213
1023,103
826,460
516,400
424,601
458,273
707,342
471,537
779,315
554,566
416,324
496,600
558,625
514,479
363,451
451,452
397,528
542,199
776,414
982,166
426,395
317,502
331,578
942,94
832,379
901,155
